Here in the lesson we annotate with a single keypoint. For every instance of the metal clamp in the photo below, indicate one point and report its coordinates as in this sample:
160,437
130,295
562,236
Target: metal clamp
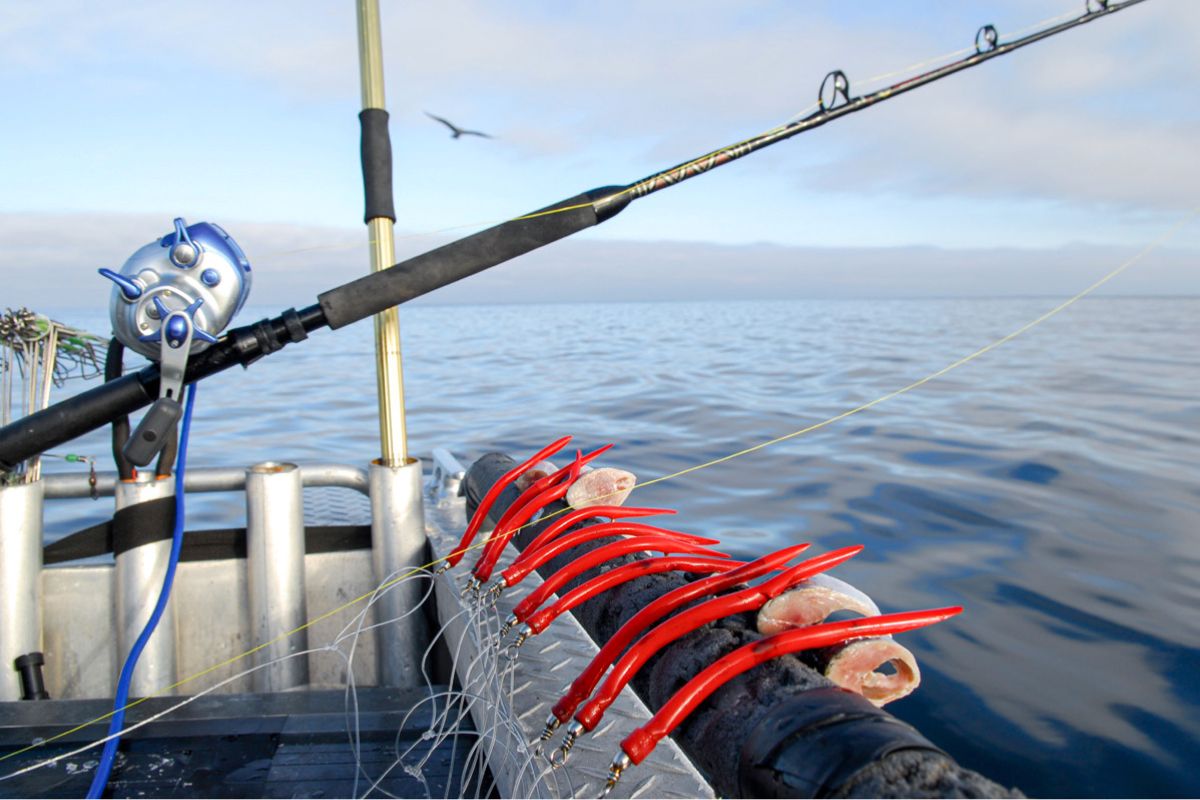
175,342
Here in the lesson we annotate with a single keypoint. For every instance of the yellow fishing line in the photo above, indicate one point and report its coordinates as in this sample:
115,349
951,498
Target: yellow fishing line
1169,234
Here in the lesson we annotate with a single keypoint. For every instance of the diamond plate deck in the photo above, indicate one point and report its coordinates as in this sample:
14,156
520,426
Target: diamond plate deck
547,665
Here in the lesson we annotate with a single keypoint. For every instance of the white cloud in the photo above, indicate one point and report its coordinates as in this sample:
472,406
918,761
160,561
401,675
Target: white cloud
50,262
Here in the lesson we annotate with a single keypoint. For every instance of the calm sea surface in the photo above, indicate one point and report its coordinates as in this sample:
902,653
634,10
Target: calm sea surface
1051,487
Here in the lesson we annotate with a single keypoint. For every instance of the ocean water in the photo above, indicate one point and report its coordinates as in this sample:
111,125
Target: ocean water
1051,487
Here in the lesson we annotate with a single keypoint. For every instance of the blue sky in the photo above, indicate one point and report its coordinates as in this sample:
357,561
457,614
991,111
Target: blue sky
118,117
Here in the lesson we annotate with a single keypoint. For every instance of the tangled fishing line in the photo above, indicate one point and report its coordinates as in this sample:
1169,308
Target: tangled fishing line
37,353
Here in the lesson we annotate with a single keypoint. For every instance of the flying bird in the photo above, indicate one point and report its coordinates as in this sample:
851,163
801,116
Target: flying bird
456,131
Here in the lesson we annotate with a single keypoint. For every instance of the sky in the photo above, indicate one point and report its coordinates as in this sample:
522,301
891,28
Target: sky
1033,174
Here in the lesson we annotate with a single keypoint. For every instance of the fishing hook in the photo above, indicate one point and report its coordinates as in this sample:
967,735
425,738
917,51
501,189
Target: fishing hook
603,555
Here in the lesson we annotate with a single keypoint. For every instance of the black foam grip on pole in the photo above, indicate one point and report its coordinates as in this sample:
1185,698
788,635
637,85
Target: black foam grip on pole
813,744
376,151
417,276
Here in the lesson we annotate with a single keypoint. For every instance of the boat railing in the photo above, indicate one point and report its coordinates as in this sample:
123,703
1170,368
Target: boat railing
236,588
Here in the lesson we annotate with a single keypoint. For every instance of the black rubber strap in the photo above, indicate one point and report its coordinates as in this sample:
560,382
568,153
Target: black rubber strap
376,165
143,523
86,543
208,545
811,746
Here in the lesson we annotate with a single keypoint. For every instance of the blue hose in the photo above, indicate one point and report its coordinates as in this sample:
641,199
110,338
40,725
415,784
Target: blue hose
104,769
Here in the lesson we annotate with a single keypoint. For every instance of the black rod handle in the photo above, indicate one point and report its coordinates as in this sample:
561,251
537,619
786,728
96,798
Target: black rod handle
422,274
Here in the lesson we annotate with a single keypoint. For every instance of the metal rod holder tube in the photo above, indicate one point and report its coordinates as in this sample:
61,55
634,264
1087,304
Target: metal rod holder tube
398,545
139,576
275,574
20,580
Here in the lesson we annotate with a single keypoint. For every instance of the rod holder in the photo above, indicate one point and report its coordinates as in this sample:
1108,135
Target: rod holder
398,544
275,574
20,580
139,575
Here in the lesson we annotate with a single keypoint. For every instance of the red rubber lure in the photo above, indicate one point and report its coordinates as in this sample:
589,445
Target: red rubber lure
687,621
582,687
595,558
497,489
516,573
537,622
639,744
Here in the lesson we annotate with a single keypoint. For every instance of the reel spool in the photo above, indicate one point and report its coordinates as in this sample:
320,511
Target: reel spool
172,298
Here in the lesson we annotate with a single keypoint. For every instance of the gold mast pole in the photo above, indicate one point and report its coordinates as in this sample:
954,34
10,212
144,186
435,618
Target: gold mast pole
388,363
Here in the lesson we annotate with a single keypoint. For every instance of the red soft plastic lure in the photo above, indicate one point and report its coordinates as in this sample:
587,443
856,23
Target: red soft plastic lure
516,573
537,621
683,623
497,489
540,494
591,675
637,745
515,518
594,558
687,621
579,515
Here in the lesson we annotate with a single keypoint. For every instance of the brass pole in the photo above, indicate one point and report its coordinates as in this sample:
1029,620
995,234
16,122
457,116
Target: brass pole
388,363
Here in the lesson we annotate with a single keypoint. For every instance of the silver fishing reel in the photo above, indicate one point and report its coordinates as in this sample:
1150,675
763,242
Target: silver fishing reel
198,270
171,299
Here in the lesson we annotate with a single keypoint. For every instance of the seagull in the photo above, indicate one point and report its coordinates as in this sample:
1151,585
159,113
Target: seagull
456,131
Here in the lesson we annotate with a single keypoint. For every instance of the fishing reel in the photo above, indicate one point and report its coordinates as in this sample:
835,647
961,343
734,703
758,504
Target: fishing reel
171,299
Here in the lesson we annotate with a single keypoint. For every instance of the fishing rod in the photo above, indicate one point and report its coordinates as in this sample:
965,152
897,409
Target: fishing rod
379,291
